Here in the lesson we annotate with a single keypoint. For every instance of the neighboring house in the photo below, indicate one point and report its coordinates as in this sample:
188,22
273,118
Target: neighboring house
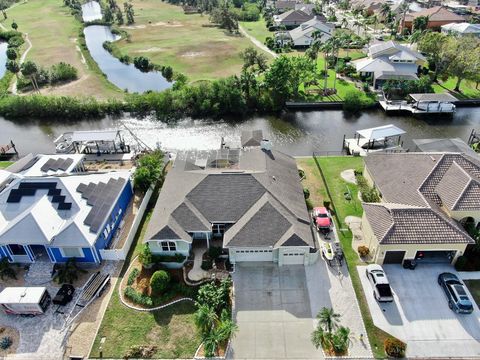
282,6
426,200
303,35
370,7
292,18
461,29
437,16
51,211
249,201
443,145
390,61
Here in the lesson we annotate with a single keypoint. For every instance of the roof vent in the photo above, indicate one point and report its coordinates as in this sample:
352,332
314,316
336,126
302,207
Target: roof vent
266,145
274,178
433,159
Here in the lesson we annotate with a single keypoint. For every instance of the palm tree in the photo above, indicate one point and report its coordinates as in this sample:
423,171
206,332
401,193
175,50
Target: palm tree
404,7
29,69
344,22
211,342
226,328
385,10
340,340
325,48
328,318
205,319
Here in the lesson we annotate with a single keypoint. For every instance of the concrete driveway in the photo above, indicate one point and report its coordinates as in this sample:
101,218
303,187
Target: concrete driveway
420,315
273,313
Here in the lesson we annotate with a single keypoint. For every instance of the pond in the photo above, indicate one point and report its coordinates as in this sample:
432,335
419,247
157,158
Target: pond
296,133
91,11
126,77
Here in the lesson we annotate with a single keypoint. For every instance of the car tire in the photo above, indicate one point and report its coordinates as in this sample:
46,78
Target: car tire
439,282
450,305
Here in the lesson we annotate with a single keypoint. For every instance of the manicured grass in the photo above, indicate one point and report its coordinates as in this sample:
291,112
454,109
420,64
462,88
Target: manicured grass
53,32
474,288
332,167
187,43
258,29
4,164
467,89
171,329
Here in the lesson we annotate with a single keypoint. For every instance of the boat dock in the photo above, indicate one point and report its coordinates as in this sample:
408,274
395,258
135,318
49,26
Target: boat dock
381,138
422,104
8,151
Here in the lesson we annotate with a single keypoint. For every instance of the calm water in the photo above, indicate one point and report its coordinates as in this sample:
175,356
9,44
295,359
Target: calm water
296,133
91,11
3,58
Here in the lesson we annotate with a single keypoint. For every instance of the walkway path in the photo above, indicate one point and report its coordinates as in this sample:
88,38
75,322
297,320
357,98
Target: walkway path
256,42
197,273
21,61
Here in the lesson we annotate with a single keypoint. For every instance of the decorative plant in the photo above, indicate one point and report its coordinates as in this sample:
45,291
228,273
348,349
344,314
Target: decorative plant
6,270
5,342
363,250
214,252
394,348
132,276
159,281
329,335
145,256
68,272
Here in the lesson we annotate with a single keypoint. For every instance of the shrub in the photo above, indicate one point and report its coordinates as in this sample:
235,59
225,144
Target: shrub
214,252
62,72
132,276
140,352
207,265
461,264
369,194
67,273
301,174
145,256
309,204
16,41
136,297
394,348
159,281
142,63
352,101
6,270
167,73
5,342
306,193
363,250
149,170
177,258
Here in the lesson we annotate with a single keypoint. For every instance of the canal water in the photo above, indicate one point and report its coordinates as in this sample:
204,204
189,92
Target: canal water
126,77
296,133
3,58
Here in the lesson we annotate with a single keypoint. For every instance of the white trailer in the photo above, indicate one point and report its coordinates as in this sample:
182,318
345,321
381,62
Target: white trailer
25,300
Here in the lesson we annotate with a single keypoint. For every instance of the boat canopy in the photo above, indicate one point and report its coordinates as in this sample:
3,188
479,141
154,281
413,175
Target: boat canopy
100,135
433,97
381,132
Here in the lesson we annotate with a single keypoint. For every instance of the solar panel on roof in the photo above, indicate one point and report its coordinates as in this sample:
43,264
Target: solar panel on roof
45,167
29,164
52,192
81,187
64,206
39,185
27,191
100,218
58,199
12,198
89,189
66,164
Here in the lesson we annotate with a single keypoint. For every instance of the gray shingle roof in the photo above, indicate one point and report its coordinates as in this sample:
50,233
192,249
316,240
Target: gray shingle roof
413,225
188,220
251,138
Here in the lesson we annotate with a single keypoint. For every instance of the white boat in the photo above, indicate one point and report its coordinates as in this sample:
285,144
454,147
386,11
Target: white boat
327,251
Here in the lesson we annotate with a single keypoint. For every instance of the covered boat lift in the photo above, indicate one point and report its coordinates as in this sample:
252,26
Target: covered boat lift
92,142
381,138
422,104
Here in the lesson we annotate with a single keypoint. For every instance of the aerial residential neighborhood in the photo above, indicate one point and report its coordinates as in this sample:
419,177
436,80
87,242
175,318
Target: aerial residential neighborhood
234,179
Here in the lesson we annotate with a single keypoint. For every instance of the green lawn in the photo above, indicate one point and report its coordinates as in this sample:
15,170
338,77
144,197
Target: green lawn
171,329
53,32
4,164
258,29
332,167
474,288
467,89
187,43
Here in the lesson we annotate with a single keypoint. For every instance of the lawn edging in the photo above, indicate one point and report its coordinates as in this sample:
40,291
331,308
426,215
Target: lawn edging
125,303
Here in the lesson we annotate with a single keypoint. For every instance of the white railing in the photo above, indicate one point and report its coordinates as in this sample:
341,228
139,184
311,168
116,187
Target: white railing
121,254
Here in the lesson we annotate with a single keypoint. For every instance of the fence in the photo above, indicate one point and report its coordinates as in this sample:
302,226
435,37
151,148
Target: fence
121,254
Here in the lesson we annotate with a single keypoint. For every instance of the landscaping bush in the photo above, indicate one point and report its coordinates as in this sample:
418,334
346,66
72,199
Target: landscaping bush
145,257
369,194
16,41
149,170
352,101
177,258
5,342
214,252
306,193
140,352
62,72
132,276
67,273
309,204
159,281
207,265
462,263
136,297
394,348
301,174
142,63
6,270
363,250
214,296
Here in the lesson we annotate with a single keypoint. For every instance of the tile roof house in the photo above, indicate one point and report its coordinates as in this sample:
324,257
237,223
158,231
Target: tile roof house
293,18
249,201
437,16
51,210
303,35
426,200
390,60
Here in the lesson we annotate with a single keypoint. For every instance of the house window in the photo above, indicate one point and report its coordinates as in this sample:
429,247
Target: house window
168,246
218,229
70,252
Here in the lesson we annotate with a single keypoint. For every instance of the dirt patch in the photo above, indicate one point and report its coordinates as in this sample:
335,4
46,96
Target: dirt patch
149,50
14,335
168,24
193,54
349,176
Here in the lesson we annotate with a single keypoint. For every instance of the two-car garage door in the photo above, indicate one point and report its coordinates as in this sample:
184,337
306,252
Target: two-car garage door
254,255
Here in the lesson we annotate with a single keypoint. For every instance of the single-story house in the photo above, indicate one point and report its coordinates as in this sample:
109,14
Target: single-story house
443,145
461,29
303,35
50,210
292,18
390,61
370,7
426,199
437,16
248,201
283,5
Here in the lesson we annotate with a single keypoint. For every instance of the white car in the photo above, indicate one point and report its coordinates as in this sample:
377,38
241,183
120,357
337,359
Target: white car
378,279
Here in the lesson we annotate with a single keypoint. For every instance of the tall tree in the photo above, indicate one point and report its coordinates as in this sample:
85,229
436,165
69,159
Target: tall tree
385,10
328,318
108,14
119,16
13,67
30,70
463,55
129,13
11,54
4,5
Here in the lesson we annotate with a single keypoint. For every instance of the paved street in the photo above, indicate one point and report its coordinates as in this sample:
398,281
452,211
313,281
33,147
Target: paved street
420,314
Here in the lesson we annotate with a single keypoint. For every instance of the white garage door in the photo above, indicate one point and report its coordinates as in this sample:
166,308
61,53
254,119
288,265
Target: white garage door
293,257
254,255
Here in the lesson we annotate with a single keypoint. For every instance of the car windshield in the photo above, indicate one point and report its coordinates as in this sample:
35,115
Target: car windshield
322,215
465,306
384,290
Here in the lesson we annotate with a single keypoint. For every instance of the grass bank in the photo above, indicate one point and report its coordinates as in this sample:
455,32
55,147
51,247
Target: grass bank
54,31
171,329
4,164
187,43
332,167
467,89
257,29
